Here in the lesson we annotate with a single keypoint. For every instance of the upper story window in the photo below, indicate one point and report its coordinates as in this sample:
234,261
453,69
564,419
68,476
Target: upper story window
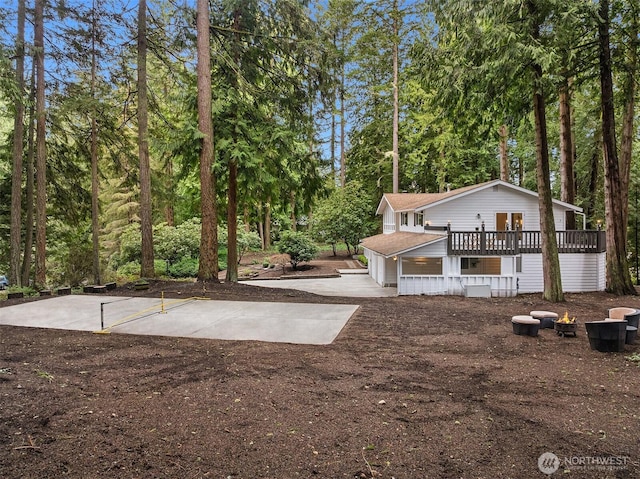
418,219
404,219
508,221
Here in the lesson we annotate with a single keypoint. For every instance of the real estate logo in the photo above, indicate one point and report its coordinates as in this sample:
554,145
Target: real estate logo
548,463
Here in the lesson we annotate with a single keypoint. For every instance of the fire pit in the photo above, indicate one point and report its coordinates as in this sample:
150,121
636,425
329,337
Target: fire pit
566,325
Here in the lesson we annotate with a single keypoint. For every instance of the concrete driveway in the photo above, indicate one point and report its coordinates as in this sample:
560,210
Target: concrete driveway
351,283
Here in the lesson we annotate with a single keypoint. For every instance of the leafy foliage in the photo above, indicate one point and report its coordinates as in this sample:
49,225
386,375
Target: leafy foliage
173,243
298,246
247,241
186,267
344,216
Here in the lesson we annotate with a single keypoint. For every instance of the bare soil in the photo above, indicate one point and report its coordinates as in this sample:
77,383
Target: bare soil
413,387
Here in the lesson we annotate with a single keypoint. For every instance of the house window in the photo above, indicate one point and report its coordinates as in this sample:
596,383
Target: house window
422,266
404,219
418,219
508,221
480,266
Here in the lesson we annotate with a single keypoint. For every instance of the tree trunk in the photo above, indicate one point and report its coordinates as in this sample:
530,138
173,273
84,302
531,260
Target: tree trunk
292,205
41,152
626,142
567,188
261,227
343,123
396,101
267,224
147,269
95,206
594,168
208,268
169,211
618,274
332,136
232,195
232,223
28,221
504,154
18,149
550,260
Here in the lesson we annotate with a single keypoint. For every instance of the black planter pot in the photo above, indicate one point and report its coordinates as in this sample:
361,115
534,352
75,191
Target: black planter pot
15,294
632,333
63,291
525,325
633,319
607,336
546,323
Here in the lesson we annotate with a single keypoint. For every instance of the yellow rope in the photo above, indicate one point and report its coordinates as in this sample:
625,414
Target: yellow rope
151,308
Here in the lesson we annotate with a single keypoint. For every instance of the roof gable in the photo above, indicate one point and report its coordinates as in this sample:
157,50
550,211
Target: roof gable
401,202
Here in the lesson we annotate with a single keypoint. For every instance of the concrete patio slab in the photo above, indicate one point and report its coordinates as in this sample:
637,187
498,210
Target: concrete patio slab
300,323
356,285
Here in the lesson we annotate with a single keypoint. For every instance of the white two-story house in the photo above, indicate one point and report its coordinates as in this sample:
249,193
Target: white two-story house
481,240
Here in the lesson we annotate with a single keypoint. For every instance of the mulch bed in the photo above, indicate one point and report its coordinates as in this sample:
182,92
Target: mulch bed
413,387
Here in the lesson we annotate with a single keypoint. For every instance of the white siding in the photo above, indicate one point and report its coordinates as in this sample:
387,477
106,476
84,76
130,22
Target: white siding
388,221
432,285
580,273
433,250
451,281
463,211
391,272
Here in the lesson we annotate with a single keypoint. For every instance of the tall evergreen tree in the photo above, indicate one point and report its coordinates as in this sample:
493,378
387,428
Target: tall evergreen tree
550,260
41,152
618,275
18,148
146,222
208,268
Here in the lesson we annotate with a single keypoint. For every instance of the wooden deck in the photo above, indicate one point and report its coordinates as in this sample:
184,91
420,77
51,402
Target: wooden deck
508,243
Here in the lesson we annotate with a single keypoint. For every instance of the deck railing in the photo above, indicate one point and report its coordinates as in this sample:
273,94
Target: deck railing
500,243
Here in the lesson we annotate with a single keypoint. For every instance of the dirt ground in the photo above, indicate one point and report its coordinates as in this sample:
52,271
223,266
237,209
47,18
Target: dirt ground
413,387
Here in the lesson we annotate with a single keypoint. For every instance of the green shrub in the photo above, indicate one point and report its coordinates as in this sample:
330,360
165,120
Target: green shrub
131,268
160,267
25,290
172,243
363,259
247,241
298,246
185,268
222,258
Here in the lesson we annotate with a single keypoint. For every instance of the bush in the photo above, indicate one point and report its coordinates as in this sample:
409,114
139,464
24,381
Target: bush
131,268
130,247
344,216
173,243
363,259
185,268
247,241
160,267
298,246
